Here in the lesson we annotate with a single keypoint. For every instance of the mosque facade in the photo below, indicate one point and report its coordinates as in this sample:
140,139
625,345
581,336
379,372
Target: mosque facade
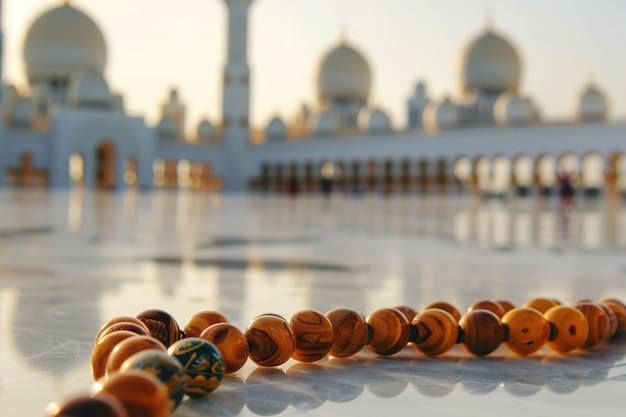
69,129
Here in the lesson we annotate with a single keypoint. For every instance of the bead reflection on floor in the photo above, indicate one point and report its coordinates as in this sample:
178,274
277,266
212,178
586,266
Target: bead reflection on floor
270,391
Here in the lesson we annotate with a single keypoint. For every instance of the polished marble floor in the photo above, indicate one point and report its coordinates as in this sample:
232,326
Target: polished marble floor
71,260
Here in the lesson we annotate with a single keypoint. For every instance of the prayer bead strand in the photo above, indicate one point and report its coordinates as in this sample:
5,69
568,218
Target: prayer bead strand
152,341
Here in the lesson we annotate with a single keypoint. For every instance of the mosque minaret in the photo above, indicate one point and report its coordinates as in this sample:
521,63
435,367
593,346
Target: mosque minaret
236,96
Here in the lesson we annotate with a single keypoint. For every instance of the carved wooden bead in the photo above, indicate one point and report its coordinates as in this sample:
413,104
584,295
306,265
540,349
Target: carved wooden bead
231,342
162,325
120,319
270,340
103,405
541,304
126,326
408,312
598,321
314,335
571,328
350,332
482,332
390,331
103,349
437,331
529,331
493,306
613,323
128,347
141,393
442,305
200,321
506,305
620,315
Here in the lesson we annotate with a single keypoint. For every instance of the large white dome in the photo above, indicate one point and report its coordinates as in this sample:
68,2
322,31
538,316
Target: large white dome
490,63
343,74
592,105
62,42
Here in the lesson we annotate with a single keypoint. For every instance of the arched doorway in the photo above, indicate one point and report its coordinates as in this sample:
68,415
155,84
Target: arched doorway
77,169
592,170
501,175
105,165
482,175
523,174
130,173
462,172
546,174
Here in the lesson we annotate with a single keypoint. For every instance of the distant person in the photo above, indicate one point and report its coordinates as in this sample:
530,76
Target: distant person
566,188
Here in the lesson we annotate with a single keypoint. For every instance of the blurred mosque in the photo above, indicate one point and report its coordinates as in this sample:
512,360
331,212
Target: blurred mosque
70,129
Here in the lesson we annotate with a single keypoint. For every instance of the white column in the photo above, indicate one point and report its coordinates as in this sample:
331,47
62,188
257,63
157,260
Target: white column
236,99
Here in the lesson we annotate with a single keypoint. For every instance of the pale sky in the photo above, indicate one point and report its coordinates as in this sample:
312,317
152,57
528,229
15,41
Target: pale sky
156,44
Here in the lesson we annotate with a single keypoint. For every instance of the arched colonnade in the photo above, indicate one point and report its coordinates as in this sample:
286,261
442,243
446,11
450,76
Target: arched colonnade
591,173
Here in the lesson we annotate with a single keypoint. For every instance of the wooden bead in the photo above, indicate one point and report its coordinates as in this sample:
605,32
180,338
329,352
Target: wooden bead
314,335
506,305
102,350
571,328
141,393
165,367
408,312
390,331
127,326
231,342
493,306
270,340
120,319
482,332
613,323
128,347
350,332
620,315
598,321
541,304
437,331
104,405
200,321
162,326
529,331
442,305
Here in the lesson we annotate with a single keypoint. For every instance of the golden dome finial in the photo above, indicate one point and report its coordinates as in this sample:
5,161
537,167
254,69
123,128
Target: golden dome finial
489,19
343,33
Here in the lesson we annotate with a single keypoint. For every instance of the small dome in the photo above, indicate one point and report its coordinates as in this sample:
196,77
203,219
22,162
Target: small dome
490,62
90,89
276,130
345,74
511,109
441,116
167,128
592,105
23,112
205,131
62,42
325,124
374,121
